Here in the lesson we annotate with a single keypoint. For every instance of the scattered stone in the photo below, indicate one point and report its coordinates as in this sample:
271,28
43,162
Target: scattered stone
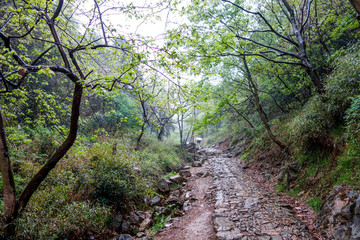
116,222
185,173
164,185
125,226
197,164
155,201
177,179
134,219
125,237
145,224
186,167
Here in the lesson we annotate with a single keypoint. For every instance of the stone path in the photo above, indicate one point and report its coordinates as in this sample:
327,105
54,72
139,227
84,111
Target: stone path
244,210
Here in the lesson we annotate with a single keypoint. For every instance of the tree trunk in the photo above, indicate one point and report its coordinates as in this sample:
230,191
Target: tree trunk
259,108
62,150
139,137
10,204
311,71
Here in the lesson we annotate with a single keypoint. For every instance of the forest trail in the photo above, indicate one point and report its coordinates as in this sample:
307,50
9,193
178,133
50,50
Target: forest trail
228,204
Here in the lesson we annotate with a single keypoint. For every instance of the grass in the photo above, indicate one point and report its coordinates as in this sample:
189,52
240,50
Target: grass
315,203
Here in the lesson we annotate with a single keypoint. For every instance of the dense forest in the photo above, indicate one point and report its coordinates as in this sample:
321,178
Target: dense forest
93,112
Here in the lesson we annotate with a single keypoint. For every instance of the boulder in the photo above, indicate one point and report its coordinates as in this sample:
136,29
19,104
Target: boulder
185,173
164,185
177,179
339,217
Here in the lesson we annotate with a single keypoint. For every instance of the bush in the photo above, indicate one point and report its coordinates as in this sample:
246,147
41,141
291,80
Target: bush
115,174
50,215
311,126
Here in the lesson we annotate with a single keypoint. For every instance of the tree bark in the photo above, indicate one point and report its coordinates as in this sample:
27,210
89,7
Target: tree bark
10,204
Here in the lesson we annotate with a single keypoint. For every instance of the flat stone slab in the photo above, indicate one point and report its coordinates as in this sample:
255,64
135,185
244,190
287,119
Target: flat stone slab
244,210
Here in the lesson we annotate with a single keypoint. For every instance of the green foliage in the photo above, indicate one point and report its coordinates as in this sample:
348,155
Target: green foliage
315,203
51,215
159,222
114,176
311,126
352,119
347,170
159,157
161,219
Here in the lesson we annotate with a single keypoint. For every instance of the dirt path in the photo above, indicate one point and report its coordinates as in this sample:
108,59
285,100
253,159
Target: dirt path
197,222
239,208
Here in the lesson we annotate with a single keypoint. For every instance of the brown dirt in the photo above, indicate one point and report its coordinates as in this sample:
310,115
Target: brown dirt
197,223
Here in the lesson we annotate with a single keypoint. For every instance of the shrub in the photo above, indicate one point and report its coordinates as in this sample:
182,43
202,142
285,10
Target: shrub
116,175
50,215
311,126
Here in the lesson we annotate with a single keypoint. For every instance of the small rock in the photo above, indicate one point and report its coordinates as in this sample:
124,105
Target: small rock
125,237
164,185
177,179
140,235
125,226
155,200
167,225
178,213
185,173
197,164
186,167
116,221
145,224
134,219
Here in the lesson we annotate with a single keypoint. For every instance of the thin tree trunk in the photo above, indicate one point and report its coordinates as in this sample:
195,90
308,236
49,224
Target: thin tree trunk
259,108
139,137
240,114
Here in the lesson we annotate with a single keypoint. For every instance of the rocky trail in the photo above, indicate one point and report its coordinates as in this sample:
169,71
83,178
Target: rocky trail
223,202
